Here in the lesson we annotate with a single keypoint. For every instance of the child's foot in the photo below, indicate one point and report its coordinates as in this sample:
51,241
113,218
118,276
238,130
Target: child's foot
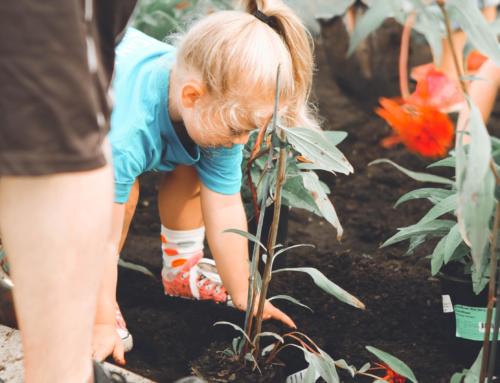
121,329
197,279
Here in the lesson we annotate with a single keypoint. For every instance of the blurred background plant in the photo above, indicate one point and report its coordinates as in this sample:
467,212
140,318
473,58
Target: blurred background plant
160,18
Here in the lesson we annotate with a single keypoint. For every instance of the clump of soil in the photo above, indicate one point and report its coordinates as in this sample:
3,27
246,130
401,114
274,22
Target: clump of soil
216,367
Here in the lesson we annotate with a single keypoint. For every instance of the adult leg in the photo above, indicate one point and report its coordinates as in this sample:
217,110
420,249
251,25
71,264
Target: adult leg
54,228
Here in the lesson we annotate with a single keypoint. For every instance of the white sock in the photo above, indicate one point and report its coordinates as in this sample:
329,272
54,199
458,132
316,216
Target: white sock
178,246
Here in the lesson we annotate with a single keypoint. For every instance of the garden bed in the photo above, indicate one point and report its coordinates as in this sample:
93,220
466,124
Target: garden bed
403,301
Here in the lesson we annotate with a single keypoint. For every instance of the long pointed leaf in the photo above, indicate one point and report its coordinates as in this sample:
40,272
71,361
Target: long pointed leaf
433,194
422,177
436,227
290,299
447,205
247,235
453,240
311,182
394,363
328,286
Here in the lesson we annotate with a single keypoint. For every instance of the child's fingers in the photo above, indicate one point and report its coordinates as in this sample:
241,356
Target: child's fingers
275,313
119,352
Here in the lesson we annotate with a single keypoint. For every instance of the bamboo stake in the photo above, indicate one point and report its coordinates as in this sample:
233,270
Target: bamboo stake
252,287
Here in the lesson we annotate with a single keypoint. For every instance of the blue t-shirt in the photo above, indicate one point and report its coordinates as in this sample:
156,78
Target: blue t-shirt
142,136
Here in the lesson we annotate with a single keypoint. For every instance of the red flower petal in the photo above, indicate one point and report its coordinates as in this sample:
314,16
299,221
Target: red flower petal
422,128
474,61
435,88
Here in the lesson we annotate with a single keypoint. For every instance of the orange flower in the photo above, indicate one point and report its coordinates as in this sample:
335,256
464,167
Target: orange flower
421,127
435,88
475,60
391,375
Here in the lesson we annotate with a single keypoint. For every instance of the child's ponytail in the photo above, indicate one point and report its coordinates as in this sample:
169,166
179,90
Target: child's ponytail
300,45
236,56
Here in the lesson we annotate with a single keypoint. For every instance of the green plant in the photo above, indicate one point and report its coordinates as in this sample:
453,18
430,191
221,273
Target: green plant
160,18
471,235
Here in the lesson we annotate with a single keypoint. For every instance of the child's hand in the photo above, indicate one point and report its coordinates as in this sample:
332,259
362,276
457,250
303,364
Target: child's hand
270,311
105,342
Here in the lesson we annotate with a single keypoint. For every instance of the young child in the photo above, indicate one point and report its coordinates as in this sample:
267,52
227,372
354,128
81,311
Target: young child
186,112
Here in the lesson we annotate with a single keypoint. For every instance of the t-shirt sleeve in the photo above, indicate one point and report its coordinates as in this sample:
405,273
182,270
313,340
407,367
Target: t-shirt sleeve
220,169
126,169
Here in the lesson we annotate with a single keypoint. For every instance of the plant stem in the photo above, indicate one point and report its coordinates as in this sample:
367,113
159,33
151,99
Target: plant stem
449,37
266,278
252,286
491,296
493,351
403,56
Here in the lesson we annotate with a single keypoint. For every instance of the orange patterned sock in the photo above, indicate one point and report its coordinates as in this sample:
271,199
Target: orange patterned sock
178,246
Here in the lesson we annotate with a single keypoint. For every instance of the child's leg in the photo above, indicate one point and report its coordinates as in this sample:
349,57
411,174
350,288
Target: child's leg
182,232
105,341
182,237
54,229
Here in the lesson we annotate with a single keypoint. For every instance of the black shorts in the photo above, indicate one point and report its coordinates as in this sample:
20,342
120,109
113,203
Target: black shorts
56,62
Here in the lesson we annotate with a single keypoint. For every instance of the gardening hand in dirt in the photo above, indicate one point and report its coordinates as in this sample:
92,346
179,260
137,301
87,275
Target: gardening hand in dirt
105,342
230,251
270,311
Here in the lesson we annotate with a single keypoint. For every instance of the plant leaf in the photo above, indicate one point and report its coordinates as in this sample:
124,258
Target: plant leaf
236,327
312,145
448,162
433,194
394,363
436,227
453,240
247,235
311,182
447,205
269,333
328,286
290,299
476,187
335,136
472,376
135,267
422,177
473,23
437,257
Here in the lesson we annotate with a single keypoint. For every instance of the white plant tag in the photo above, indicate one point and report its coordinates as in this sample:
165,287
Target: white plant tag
447,306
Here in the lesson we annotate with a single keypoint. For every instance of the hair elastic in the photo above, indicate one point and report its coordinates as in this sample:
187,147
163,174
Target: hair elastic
266,19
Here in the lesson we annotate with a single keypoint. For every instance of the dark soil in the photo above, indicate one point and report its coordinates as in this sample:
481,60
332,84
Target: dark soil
403,302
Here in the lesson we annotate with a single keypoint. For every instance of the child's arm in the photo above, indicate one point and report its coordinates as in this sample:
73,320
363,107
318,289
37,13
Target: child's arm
230,251
105,339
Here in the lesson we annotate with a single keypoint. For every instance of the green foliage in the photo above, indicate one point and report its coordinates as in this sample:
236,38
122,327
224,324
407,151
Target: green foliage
302,188
470,206
471,375
467,14
160,18
326,285
394,363
476,186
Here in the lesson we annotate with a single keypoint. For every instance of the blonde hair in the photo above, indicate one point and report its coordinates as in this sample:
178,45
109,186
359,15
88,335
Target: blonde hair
236,55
